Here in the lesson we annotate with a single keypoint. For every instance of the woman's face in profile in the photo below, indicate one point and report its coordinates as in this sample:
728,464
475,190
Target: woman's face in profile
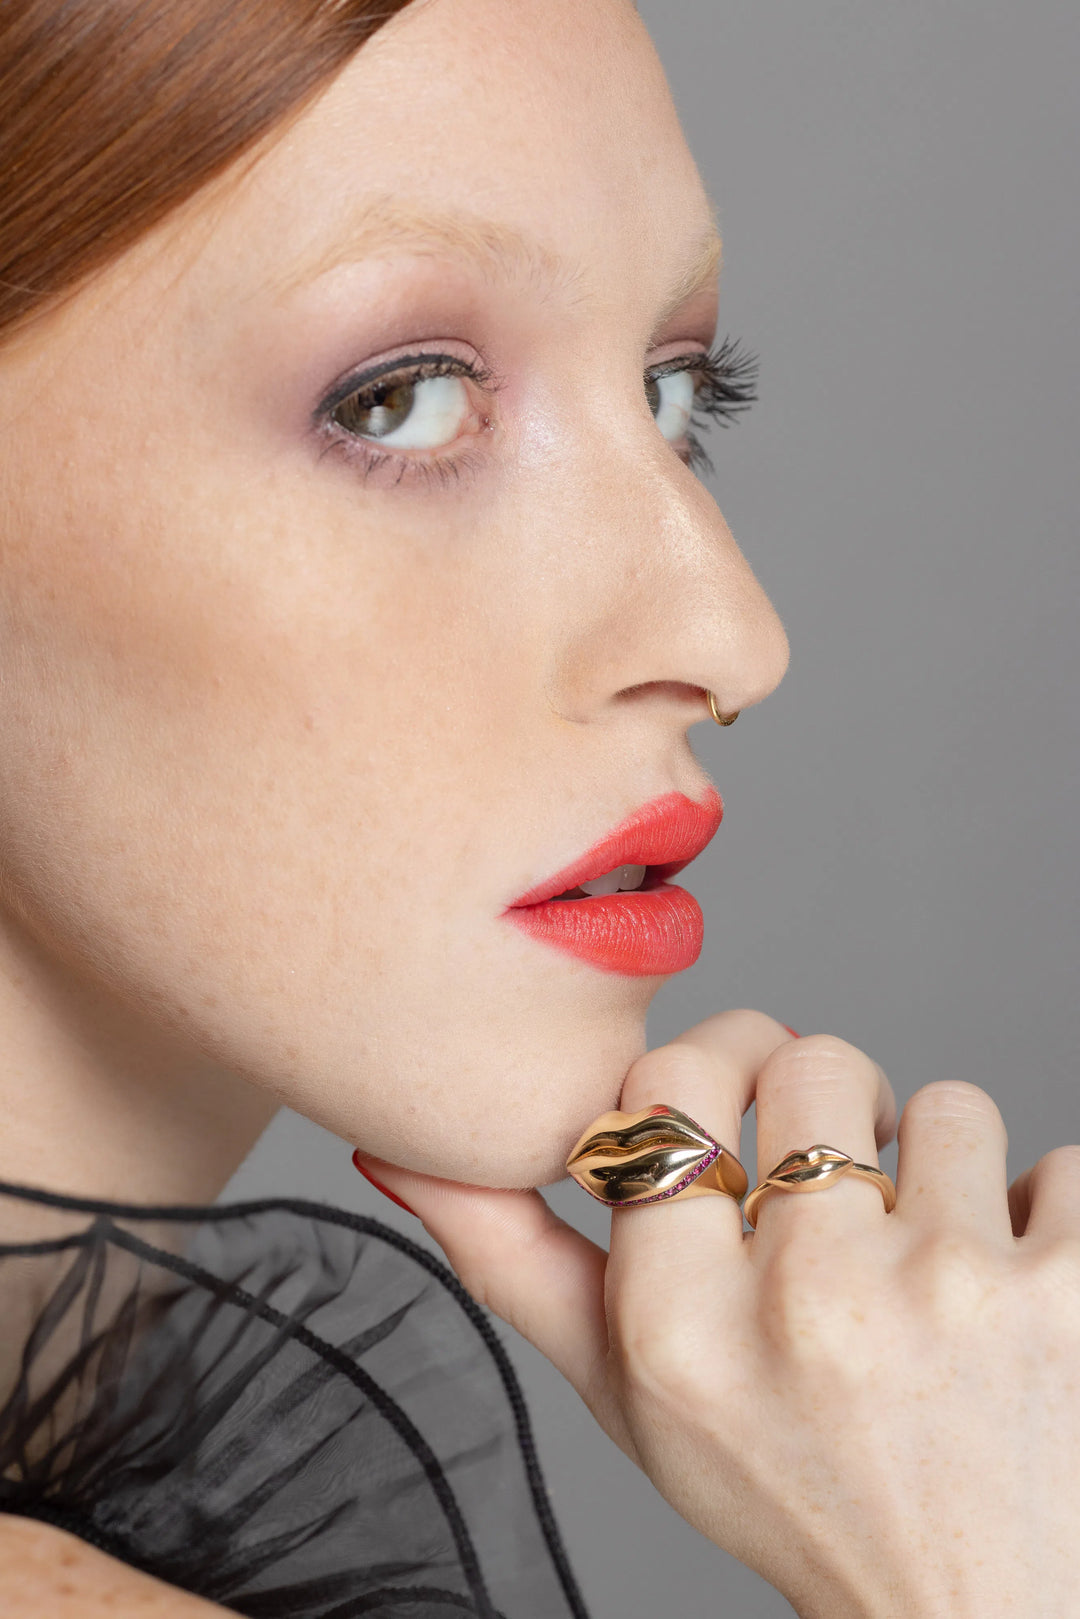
358,582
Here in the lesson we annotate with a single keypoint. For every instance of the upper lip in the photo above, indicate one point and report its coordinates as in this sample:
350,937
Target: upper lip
667,832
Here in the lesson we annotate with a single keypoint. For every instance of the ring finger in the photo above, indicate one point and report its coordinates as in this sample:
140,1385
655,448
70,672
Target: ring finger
821,1092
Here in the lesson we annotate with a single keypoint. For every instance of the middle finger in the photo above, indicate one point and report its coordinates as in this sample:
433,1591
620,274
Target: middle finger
708,1072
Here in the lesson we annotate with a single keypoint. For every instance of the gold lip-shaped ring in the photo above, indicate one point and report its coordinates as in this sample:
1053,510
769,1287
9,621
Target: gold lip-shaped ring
812,1169
657,1155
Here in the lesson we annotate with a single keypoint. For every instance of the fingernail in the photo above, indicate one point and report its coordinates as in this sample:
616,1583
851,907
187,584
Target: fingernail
379,1187
793,1032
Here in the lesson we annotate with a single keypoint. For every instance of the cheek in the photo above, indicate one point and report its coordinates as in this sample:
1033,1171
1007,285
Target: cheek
263,770
194,679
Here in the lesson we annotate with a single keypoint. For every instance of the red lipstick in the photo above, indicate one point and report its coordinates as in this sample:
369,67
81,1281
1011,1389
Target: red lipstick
655,929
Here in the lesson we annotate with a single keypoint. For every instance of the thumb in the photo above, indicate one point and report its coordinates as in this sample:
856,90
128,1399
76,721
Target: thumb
519,1259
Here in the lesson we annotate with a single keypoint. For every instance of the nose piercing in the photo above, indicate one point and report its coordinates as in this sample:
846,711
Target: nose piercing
721,719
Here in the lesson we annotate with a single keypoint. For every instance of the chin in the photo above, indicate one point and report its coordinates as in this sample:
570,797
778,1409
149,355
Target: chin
520,1137
491,1089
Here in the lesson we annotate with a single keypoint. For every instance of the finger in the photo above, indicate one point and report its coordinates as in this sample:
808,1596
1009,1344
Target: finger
821,1091
1048,1197
952,1161
708,1072
514,1255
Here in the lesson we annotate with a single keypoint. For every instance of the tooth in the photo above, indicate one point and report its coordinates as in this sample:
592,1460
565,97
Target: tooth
607,884
612,881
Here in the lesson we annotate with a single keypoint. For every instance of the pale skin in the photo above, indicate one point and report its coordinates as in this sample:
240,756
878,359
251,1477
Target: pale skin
284,732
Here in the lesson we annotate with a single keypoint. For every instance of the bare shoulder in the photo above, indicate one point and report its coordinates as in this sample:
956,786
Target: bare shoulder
47,1571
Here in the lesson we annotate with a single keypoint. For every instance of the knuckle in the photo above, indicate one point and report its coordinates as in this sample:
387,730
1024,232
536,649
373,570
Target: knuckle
808,1317
735,1022
1054,1284
956,1276
788,1290
669,1067
965,1109
745,1022
1045,1310
818,1065
1060,1164
657,1363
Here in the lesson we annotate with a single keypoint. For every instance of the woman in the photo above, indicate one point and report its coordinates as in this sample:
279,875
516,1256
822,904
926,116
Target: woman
358,596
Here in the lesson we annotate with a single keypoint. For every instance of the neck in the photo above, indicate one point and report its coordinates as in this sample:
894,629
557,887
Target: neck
96,1100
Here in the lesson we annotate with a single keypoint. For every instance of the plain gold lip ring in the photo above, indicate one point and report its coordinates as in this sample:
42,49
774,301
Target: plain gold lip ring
813,1169
721,719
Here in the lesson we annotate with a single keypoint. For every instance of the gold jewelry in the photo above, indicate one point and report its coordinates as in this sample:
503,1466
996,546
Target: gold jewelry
813,1170
721,719
624,1159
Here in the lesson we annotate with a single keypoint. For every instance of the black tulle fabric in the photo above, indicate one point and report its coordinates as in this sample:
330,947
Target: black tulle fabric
287,1409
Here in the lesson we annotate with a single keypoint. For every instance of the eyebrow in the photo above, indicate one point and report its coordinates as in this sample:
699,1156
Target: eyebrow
389,223
700,274
493,246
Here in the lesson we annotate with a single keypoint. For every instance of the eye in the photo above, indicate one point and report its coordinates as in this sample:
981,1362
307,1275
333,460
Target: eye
693,390
407,411
671,400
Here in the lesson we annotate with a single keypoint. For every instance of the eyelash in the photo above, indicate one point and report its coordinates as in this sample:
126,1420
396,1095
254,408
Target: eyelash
727,387
365,452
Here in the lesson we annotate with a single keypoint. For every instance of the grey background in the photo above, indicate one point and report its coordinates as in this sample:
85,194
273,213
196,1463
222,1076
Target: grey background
897,190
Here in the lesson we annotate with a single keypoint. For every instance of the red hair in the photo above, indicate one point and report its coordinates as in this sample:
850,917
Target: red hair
113,112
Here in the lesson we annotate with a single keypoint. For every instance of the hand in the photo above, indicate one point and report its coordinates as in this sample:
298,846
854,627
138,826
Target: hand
878,1413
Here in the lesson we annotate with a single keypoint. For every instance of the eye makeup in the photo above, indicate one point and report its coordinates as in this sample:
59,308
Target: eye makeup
725,387
416,366
382,397
366,415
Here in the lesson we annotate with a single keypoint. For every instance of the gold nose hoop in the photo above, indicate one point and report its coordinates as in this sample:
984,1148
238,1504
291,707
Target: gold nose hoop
721,719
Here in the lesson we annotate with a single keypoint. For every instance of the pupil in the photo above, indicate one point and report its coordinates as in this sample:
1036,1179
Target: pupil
379,410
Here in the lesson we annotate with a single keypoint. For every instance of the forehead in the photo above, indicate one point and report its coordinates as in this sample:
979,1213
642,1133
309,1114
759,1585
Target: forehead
538,136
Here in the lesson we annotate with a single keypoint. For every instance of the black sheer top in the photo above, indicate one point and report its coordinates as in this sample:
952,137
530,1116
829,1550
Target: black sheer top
285,1408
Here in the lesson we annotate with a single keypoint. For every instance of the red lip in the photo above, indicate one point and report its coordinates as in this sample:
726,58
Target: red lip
640,932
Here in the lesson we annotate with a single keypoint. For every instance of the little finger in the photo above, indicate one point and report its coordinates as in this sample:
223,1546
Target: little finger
952,1161
1046,1199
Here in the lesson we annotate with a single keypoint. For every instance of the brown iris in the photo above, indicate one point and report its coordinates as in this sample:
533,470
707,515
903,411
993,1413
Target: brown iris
379,409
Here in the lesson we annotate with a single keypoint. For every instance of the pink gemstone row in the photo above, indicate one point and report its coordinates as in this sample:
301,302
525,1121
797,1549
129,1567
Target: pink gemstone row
658,1197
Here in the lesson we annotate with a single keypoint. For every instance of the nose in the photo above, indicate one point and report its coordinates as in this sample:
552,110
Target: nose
663,606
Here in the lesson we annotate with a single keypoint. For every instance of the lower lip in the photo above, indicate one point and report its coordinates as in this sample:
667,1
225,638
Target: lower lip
640,933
